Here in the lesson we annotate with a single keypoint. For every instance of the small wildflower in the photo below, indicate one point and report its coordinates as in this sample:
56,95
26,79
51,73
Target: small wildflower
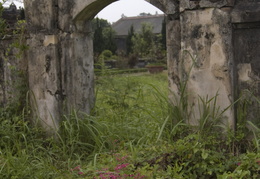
77,168
119,167
80,173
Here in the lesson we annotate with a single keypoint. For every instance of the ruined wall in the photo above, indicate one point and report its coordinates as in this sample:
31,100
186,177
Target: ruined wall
209,45
221,38
60,57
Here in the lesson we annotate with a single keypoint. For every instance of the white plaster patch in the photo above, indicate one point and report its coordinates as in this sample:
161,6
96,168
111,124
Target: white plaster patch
206,16
244,71
206,86
216,53
219,71
50,39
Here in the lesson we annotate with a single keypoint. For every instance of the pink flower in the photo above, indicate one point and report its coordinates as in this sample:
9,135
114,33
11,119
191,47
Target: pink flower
80,173
77,168
239,163
119,167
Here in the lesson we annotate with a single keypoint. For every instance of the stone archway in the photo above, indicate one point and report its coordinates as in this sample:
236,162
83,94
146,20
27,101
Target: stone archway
60,58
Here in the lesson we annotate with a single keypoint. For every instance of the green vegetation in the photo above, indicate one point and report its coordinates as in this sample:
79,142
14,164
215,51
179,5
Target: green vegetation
2,21
148,45
129,42
104,36
144,44
12,54
133,132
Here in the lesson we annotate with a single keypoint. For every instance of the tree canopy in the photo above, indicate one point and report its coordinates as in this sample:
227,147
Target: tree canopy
129,42
143,42
103,36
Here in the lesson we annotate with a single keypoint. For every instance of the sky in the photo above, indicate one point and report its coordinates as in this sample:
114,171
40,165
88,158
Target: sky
114,11
129,8
18,3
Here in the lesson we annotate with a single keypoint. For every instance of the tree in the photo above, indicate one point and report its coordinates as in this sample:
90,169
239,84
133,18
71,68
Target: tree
145,14
109,39
103,36
143,42
99,23
98,41
129,42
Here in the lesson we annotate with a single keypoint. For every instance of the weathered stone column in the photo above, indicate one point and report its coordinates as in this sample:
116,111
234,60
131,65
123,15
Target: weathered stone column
43,62
173,56
206,46
78,68
60,61
201,35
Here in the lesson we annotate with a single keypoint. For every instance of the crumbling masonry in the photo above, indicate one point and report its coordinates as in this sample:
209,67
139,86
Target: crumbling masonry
213,44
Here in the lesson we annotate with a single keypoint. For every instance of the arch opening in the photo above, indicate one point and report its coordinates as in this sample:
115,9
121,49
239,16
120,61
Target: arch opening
83,18
86,15
129,96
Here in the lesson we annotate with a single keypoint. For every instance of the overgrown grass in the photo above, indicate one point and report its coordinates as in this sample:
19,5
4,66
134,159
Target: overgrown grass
134,131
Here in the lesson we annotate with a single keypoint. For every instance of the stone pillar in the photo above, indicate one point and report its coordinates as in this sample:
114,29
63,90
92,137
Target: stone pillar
44,79
173,56
60,62
43,62
206,47
78,69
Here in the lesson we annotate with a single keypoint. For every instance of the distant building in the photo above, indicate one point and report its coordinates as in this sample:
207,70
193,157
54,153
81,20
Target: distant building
12,15
123,25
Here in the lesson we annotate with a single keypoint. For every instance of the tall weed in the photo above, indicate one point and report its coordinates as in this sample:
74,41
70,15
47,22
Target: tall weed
134,131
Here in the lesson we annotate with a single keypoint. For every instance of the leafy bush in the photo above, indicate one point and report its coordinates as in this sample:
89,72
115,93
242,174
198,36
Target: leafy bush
106,54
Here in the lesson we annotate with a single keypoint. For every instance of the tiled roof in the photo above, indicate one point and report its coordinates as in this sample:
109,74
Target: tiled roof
123,25
11,15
